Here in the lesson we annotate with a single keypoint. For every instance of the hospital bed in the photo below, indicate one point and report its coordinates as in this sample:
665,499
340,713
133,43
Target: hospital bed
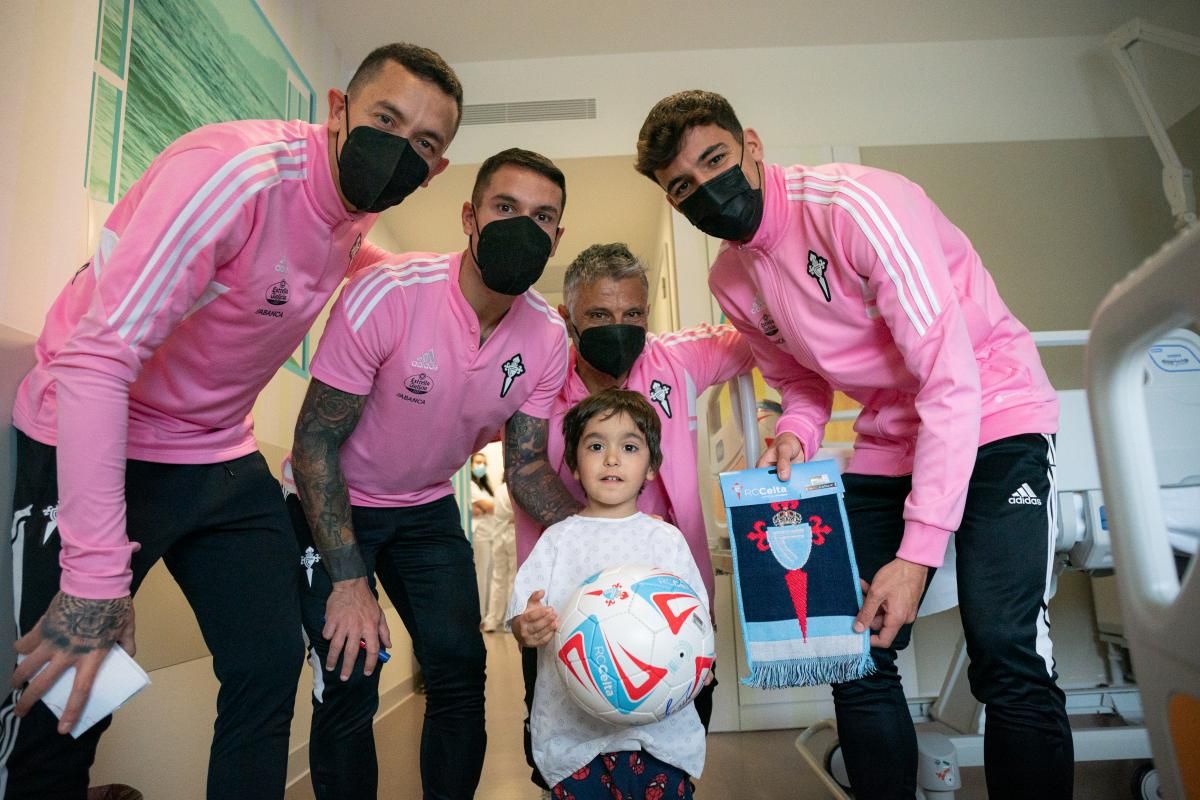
1106,709
1158,604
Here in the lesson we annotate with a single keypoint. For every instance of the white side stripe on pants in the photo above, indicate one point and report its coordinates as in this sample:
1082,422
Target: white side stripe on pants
9,722
1044,646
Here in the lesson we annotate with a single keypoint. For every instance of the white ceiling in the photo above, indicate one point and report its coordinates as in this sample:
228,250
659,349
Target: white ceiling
473,30
607,199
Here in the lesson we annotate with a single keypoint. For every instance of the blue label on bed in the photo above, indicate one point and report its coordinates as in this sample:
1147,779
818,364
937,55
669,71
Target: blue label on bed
1174,358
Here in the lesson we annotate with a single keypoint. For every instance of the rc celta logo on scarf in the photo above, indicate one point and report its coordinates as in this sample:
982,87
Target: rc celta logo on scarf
758,491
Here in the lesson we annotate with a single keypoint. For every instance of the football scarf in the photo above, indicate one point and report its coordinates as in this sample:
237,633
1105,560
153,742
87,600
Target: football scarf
795,577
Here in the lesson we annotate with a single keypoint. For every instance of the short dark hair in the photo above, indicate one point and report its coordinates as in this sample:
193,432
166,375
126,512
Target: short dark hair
607,404
524,159
420,61
662,133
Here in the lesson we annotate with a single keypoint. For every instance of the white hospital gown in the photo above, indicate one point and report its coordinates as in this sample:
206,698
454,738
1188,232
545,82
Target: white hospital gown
565,737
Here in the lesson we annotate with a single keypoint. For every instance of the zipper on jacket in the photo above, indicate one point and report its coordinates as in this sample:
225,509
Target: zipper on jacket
776,287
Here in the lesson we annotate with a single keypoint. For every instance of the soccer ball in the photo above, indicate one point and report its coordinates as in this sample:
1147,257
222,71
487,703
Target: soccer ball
634,644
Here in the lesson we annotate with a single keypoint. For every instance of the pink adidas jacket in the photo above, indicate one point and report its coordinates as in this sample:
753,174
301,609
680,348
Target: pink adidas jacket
209,272
672,372
855,281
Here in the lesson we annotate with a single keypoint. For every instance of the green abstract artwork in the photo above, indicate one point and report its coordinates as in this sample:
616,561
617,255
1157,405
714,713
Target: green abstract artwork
165,67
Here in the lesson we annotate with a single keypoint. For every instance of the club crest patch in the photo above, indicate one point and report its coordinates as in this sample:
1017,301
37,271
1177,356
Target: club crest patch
659,394
816,268
512,369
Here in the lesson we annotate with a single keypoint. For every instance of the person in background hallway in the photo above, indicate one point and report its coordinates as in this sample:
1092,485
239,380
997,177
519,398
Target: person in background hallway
503,562
483,523
483,498
424,358
850,278
606,308
134,437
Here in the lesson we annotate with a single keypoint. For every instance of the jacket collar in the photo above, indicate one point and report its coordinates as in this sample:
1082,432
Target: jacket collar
775,210
324,194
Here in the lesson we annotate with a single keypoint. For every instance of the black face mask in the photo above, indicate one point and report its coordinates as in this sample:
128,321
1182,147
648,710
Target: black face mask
726,206
612,349
512,254
377,170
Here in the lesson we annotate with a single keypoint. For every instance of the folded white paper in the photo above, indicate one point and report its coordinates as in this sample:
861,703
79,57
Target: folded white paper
119,679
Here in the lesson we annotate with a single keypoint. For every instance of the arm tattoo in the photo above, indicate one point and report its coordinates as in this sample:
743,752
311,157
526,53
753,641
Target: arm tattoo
78,626
535,486
327,419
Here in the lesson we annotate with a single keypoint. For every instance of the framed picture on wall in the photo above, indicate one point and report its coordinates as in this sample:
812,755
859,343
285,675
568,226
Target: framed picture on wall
165,67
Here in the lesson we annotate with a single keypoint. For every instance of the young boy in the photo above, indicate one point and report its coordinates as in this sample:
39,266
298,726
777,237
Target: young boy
612,443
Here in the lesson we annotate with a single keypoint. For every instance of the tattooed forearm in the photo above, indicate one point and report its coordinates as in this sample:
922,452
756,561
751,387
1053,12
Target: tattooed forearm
327,419
534,484
78,625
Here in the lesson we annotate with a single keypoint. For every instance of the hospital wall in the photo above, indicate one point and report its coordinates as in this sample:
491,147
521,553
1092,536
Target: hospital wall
1056,222
976,122
1033,146
160,741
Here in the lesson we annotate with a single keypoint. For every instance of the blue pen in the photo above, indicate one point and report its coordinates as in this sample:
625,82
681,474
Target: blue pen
383,654
362,644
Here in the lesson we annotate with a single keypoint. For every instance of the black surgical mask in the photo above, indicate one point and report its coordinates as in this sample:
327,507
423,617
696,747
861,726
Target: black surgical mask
726,206
378,170
612,349
512,254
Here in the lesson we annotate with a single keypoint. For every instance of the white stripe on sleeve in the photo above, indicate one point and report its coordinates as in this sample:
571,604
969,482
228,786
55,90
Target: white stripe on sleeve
198,210
904,256
913,317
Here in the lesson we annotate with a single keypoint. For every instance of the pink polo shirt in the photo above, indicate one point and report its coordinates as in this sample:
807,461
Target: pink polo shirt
208,273
403,334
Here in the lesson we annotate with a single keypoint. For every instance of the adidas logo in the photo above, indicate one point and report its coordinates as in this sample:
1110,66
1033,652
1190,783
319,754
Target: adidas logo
1024,496
427,361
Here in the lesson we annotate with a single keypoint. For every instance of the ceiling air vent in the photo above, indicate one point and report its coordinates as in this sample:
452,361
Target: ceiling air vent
529,111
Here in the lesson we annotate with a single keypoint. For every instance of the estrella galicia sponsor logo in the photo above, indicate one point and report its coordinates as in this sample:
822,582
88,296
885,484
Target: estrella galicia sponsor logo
419,383
816,269
659,393
512,369
277,293
767,325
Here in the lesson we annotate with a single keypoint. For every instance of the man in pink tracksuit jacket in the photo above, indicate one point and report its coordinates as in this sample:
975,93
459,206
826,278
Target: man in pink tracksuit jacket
134,440
606,310
848,278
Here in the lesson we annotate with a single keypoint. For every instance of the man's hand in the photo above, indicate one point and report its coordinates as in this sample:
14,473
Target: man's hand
535,626
891,600
783,452
77,632
353,616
